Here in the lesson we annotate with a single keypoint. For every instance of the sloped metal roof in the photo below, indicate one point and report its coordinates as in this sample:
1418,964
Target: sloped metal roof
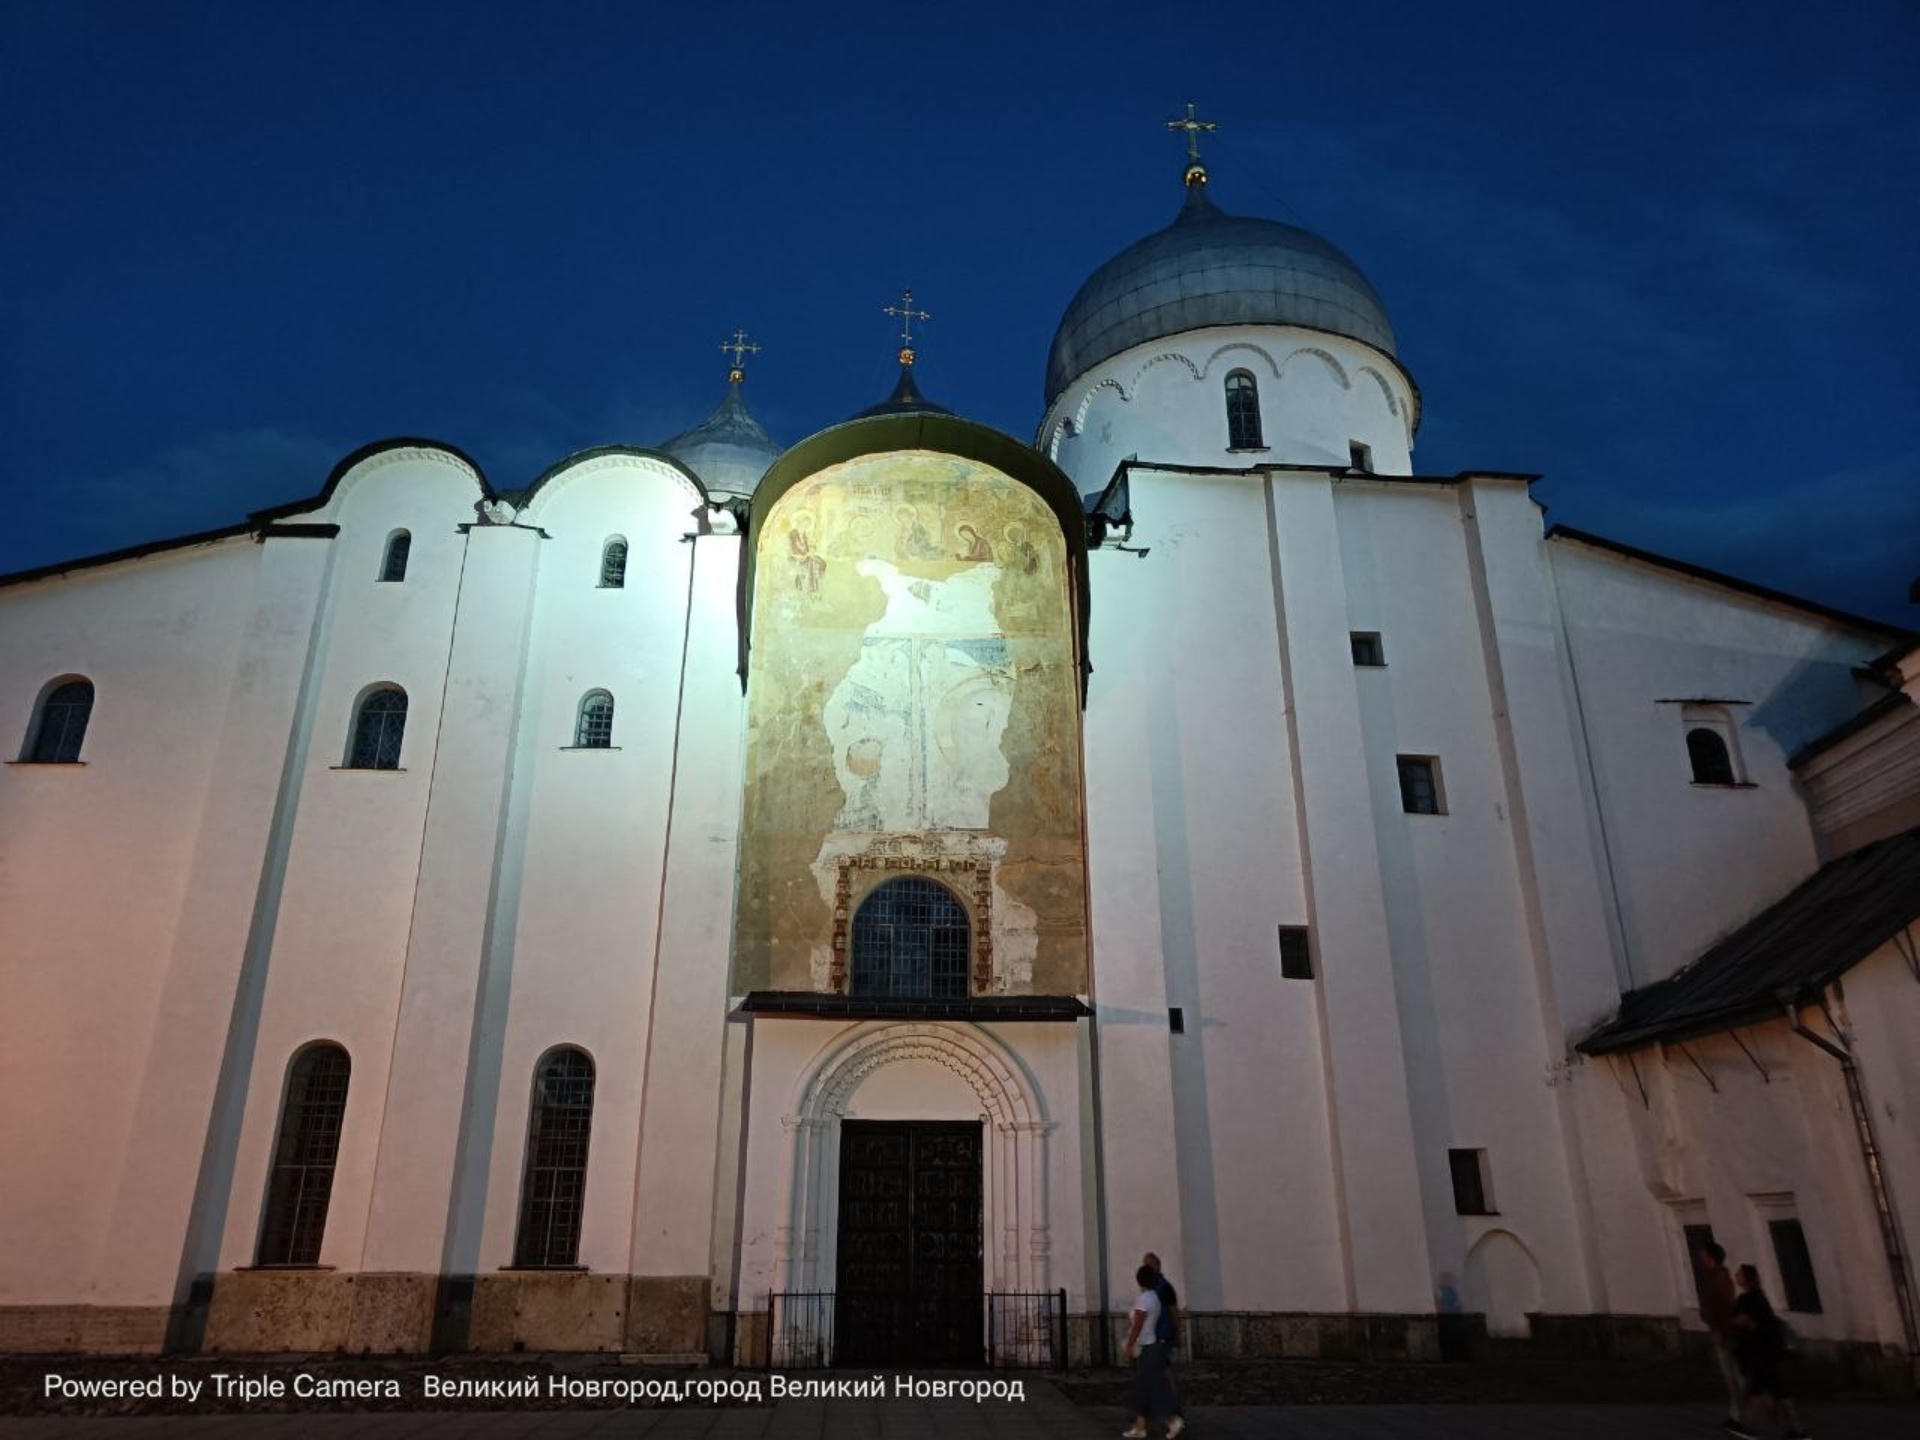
1788,953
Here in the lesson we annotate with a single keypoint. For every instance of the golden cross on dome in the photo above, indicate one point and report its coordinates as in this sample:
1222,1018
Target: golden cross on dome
741,348
1193,128
907,315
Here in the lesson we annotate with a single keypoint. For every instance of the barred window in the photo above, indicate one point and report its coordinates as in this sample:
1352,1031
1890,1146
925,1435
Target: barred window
553,1194
613,565
61,726
911,937
1420,792
399,546
593,730
378,730
304,1156
1243,411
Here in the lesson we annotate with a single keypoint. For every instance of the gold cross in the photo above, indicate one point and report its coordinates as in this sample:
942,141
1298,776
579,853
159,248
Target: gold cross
907,315
1193,128
741,348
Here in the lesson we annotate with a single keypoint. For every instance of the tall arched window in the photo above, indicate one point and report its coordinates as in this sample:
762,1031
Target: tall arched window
1243,411
304,1155
613,565
593,730
60,728
553,1191
399,546
911,937
378,730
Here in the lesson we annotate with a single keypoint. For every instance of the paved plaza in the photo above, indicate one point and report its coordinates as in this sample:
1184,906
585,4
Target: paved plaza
1045,1415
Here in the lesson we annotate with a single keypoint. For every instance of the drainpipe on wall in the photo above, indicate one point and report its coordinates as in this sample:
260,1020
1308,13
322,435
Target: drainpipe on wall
1876,1174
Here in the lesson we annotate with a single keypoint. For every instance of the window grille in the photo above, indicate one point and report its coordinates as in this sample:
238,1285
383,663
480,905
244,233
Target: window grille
1707,752
63,724
1243,411
398,548
594,728
613,565
559,1126
303,1159
378,730
1420,785
912,938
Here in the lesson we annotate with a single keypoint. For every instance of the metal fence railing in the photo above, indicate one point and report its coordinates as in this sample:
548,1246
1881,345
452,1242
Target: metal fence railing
1027,1331
816,1329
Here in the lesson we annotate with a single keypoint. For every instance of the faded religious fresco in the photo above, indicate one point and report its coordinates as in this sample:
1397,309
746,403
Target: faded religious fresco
912,709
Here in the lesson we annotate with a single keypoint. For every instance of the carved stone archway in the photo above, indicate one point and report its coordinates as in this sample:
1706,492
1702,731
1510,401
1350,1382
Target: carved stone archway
1014,1221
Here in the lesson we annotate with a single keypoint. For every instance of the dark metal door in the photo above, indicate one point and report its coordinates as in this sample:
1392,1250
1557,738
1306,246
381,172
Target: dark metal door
909,1284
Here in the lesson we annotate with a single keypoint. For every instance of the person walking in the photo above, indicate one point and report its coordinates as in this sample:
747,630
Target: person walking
1759,1344
1150,1395
1168,1333
1717,1312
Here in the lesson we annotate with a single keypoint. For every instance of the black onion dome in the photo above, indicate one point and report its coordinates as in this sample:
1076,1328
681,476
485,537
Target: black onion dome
906,399
1211,268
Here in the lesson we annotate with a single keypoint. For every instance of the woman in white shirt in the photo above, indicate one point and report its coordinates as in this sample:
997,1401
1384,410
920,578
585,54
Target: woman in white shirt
1152,1395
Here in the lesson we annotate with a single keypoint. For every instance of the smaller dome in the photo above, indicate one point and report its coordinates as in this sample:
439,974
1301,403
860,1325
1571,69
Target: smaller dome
906,399
728,450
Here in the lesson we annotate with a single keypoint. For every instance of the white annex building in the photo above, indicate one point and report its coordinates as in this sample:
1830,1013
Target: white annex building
846,902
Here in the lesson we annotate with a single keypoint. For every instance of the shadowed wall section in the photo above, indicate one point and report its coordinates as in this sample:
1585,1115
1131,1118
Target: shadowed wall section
912,709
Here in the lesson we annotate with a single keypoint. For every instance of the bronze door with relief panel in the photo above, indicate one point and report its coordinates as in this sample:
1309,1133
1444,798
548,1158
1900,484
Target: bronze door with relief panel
909,1279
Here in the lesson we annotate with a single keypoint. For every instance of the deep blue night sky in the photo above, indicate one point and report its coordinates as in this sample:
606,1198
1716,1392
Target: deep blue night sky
1663,254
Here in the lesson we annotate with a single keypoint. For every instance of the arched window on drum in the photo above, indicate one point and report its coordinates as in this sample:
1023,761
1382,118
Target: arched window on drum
911,939
1243,412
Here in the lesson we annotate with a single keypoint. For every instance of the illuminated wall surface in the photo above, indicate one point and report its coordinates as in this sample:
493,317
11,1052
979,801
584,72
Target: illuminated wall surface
911,709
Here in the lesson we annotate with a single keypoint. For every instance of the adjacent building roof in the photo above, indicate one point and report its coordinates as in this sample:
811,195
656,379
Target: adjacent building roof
1787,954
1731,582
1211,268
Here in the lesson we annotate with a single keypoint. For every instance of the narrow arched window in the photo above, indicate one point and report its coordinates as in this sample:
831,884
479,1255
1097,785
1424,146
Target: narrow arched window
613,565
399,546
1708,753
378,729
304,1155
1243,411
911,937
594,728
1713,751
553,1191
60,727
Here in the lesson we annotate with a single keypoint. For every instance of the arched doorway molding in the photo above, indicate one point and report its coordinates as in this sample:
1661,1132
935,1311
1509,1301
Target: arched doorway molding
1014,1223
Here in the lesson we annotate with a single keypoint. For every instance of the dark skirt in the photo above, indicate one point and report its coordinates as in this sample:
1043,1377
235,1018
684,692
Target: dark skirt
1152,1392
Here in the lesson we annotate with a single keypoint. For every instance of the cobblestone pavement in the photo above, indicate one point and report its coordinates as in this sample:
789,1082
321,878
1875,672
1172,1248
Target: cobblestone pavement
1046,1415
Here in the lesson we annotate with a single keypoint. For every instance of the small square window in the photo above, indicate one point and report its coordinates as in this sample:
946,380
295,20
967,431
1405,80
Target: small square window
1367,650
1177,1020
1296,956
1420,792
1359,457
1472,1190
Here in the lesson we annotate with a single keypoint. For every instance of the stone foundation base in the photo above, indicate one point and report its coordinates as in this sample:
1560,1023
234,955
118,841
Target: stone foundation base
267,1312
84,1329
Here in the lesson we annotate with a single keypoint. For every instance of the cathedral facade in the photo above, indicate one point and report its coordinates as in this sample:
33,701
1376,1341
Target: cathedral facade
843,903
